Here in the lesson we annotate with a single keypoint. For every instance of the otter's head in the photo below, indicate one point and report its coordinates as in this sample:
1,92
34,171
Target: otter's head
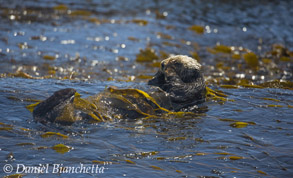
180,76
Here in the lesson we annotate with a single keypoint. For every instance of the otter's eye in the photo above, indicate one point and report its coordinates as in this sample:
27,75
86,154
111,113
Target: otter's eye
162,66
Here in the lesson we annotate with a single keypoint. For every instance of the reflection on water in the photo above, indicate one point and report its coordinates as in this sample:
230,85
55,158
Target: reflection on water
246,51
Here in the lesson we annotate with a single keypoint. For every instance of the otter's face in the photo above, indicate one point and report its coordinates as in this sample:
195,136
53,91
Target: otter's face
185,68
181,78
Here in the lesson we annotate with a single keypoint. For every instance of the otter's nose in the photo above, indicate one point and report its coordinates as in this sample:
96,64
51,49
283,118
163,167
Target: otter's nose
157,80
154,81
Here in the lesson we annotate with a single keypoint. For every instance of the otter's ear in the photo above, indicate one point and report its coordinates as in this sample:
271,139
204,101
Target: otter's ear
158,79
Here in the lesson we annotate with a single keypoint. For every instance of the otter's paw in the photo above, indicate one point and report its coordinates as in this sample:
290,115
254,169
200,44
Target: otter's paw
53,107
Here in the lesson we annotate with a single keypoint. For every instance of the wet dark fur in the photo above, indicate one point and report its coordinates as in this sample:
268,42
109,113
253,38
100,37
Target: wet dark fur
185,87
50,109
182,84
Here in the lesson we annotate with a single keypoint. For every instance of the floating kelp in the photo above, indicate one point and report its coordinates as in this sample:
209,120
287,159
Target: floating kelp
61,148
200,140
285,59
228,120
131,38
163,54
60,7
95,20
140,155
278,84
261,172
197,29
129,161
228,71
201,154
117,107
164,36
251,60
281,53
223,153
31,107
155,64
23,45
150,153
104,162
235,157
166,43
219,49
67,115
236,56
195,55
5,125
6,128
25,129
251,86
140,22
267,61
138,94
229,86
41,148
160,15
50,134
14,176
26,144
144,77
126,103
274,106
215,95
48,57
181,114
237,110
176,138
21,75
22,99
271,99
239,124
222,49
108,105
157,168
160,158
80,13
147,55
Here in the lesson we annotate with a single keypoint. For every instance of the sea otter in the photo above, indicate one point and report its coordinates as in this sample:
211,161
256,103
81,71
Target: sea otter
180,76
177,86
